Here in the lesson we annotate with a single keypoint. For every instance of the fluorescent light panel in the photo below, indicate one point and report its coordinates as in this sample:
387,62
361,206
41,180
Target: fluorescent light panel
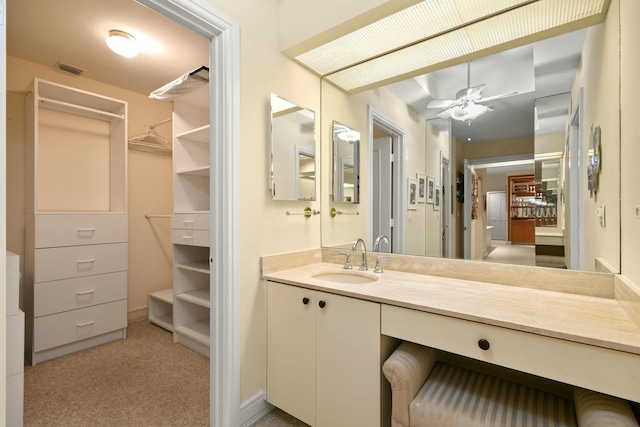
518,23
423,20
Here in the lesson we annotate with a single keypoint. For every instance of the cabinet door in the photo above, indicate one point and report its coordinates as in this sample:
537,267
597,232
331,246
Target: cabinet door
291,350
347,362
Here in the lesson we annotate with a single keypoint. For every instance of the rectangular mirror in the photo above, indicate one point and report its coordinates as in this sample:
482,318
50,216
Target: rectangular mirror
346,164
293,151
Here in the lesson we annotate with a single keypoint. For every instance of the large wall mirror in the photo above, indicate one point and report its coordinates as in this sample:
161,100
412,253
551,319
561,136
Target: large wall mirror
293,151
346,164
528,128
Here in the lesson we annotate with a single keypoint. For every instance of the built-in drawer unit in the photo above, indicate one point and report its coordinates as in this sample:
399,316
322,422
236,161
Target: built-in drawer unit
79,229
78,261
190,221
190,237
64,328
79,292
608,371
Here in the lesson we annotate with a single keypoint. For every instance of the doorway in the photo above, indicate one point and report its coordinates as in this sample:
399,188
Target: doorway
386,173
497,214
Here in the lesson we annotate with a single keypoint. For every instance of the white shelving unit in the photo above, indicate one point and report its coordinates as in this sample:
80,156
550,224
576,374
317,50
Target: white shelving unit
161,308
75,287
190,221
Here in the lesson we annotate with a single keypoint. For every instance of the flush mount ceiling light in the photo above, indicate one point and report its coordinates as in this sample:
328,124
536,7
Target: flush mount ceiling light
434,34
123,43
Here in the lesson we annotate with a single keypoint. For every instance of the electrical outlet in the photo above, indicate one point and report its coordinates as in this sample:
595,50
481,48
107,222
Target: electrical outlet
601,215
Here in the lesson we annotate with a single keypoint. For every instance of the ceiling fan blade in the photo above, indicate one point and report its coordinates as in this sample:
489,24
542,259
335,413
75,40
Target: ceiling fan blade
469,93
445,114
440,103
492,98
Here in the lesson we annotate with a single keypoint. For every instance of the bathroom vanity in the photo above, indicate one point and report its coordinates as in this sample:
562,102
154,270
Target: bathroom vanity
585,332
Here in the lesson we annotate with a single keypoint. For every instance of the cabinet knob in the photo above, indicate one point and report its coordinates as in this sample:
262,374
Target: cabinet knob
322,304
305,300
484,344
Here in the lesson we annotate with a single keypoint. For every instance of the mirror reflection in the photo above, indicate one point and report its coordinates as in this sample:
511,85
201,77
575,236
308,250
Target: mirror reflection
293,151
531,126
346,164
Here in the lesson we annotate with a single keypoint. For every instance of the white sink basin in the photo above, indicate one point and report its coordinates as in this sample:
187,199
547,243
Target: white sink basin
340,277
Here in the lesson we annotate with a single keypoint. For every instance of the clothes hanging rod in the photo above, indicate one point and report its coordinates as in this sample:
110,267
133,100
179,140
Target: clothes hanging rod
156,216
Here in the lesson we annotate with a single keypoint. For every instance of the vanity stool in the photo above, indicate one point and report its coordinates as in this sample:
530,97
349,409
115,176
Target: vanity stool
427,392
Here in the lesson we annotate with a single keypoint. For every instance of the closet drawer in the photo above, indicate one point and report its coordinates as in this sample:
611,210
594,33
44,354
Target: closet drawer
190,221
608,371
81,229
64,328
71,294
78,261
190,237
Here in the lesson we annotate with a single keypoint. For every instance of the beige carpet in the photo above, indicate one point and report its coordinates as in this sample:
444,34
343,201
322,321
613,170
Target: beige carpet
144,380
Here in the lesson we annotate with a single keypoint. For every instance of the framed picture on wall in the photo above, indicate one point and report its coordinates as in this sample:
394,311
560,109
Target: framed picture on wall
422,188
430,189
436,199
412,194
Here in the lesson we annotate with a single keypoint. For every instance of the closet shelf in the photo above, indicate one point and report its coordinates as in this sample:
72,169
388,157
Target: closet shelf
197,331
79,109
200,134
199,297
199,266
199,171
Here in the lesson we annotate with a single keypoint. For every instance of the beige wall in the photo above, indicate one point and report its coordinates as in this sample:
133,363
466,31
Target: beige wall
500,148
149,188
599,77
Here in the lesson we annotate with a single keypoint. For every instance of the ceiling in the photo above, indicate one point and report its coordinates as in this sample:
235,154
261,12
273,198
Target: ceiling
73,32
537,72
170,50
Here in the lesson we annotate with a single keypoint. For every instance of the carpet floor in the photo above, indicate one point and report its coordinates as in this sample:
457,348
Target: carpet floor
143,380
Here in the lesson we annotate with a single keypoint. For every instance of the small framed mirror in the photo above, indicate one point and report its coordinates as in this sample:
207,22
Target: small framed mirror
293,151
346,164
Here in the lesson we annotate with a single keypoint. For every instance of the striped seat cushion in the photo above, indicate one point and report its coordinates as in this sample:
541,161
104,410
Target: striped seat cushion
454,396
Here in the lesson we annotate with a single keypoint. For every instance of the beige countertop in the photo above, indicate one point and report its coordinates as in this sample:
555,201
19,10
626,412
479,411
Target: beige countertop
584,319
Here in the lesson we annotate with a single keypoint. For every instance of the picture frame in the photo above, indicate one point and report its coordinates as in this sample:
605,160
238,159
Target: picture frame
436,199
430,189
422,187
412,194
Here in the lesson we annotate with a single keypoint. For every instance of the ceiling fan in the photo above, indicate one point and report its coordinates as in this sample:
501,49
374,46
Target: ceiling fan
468,103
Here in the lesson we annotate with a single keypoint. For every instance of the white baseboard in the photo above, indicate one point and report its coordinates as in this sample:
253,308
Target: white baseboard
253,409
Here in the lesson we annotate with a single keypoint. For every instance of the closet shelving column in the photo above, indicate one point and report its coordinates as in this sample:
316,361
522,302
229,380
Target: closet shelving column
190,221
75,294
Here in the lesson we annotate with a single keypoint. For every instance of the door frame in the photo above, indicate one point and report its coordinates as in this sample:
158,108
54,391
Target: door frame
398,135
576,195
445,217
224,100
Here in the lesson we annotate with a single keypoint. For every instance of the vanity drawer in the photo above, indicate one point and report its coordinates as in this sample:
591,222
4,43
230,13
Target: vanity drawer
190,237
608,371
78,261
70,326
81,229
71,294
190,221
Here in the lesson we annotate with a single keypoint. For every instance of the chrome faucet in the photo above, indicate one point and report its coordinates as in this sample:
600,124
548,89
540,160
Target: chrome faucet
376,244
354,247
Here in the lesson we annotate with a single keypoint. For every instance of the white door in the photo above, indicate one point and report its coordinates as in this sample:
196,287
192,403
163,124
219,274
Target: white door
497,208
382,217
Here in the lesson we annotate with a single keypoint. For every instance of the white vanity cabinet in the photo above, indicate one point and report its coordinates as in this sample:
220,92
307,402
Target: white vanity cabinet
75,287
190,227
323,357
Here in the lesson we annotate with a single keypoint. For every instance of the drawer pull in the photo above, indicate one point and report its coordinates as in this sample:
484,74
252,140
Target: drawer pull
85,261
187,221
86,230
305,300
187,237
322,304
484,344
80,325
84,292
